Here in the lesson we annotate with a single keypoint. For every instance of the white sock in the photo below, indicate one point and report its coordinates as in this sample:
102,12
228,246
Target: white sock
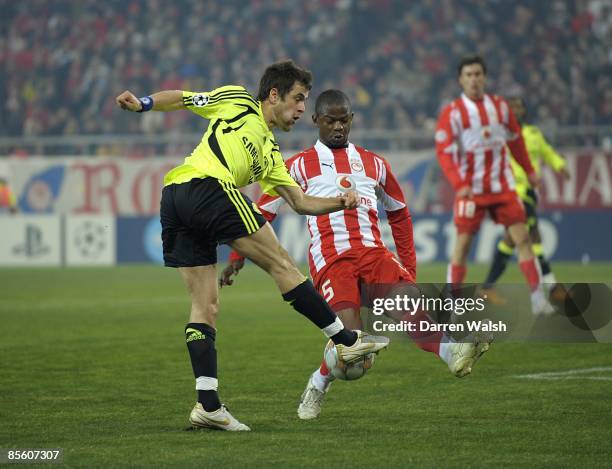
320,381
538,295
445,348
549,278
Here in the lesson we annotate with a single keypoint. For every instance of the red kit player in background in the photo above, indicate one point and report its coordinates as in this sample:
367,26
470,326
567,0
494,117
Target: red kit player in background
346,248
471,140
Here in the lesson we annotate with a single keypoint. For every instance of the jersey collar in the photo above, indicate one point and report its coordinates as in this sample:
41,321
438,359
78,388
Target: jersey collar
322,145
474,100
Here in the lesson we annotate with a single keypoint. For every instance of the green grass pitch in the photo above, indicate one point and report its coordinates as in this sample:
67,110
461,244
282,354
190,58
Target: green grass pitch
93,360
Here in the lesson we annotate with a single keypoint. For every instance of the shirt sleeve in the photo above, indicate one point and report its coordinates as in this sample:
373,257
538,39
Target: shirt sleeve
278,176
220,102
447,149
270,205
549,155
392,198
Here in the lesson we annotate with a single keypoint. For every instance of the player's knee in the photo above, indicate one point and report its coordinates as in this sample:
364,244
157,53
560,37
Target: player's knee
521,240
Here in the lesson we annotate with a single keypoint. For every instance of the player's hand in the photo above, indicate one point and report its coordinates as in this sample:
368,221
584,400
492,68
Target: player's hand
464,192
565,173
534,180
350,200
230,271
128,102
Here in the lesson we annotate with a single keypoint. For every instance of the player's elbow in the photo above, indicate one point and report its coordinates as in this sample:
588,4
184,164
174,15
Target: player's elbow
299,205
300,209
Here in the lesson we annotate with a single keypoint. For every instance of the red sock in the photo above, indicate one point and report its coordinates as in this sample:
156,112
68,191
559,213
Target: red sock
456,274
323,368
425,340
531,271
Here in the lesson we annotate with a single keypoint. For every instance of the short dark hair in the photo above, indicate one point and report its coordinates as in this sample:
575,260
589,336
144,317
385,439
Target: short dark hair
282,76
331,98
470,60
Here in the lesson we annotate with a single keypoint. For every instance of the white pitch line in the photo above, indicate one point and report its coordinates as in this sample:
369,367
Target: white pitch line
550,378
570,374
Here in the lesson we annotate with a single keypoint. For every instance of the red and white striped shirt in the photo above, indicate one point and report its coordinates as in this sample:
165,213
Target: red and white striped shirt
471,142
319,170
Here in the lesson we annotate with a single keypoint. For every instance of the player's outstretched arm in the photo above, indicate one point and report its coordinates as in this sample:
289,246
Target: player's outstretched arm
309,205
169,100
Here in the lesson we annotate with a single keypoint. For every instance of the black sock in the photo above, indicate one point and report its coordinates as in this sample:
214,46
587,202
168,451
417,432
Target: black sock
200,340
544,265
307,301
500,261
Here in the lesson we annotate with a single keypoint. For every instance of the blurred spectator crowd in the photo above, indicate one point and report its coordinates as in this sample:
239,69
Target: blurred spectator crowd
63,61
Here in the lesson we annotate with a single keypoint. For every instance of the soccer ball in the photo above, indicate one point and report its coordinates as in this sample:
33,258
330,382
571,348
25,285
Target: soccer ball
346,371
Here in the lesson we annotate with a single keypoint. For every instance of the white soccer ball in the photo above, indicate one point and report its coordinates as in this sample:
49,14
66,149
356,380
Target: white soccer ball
346,371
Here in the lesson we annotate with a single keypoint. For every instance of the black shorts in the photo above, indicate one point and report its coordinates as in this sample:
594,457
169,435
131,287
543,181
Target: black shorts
198,215
530,203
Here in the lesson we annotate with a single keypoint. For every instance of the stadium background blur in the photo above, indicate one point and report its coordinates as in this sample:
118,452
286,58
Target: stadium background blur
68,150
61,61
91,355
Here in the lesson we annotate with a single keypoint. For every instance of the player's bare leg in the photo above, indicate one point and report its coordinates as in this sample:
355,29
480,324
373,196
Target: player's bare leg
202,287
264,249
200,333
320,381
531,269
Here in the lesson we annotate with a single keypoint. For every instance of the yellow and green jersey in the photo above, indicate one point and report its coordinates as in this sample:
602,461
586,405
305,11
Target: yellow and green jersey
539,150
238,147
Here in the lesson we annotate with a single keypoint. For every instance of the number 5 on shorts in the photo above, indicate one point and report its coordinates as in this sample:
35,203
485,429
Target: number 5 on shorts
328,291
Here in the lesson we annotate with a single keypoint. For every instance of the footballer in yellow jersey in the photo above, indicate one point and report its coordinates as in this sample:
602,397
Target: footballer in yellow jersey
238,147
201,207
540,151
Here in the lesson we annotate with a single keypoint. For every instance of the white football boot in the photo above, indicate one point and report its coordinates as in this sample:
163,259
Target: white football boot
365,344
540,306
310,402
220,419
463,355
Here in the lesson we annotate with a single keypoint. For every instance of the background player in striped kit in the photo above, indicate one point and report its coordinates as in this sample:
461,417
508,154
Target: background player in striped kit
540,152
471,139
346,248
